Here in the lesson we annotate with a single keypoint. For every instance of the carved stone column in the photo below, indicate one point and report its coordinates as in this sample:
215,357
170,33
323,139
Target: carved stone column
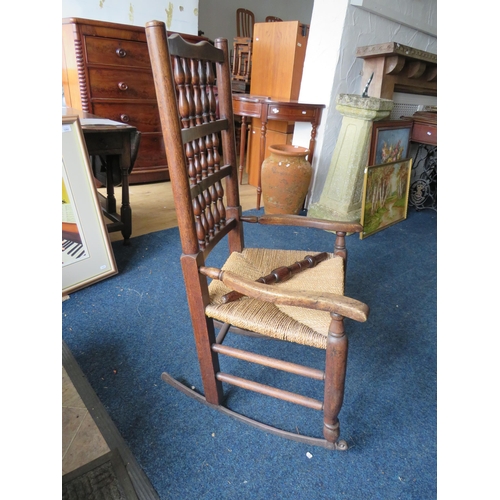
341,196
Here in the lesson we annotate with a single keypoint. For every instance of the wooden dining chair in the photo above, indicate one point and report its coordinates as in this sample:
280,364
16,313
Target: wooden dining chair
273,19
278,294
242,51
245,19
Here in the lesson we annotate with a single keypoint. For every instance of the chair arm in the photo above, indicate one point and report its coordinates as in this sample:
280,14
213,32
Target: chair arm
333,303
301,221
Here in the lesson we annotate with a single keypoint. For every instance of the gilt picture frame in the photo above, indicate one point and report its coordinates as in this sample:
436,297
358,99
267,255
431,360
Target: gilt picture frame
87,255
385,195
390,141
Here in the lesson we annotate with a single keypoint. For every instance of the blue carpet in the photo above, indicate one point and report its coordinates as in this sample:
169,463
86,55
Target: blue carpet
126,330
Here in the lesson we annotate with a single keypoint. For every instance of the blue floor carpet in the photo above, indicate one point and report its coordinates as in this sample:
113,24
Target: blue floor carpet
128,329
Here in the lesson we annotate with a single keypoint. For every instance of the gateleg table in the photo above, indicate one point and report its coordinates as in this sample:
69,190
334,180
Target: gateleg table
117,144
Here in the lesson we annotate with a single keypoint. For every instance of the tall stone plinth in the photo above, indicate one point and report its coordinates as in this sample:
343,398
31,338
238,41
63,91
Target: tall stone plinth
341,196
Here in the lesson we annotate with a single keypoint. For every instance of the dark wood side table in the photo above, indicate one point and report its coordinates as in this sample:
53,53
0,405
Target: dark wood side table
117,144
266,109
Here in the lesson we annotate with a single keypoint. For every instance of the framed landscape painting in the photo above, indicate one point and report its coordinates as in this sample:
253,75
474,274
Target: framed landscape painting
385,195
390,141
87,255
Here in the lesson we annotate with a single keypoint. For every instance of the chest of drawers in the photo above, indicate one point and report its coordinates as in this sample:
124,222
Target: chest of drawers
106,71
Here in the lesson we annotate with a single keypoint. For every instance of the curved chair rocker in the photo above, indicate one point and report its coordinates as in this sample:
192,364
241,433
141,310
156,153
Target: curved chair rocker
280,294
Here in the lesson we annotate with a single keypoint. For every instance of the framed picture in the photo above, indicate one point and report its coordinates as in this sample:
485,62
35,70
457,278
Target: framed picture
390,141
87,255
385,195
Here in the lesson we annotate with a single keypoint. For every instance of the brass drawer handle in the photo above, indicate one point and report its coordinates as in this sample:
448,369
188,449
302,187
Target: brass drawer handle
122,86
121,52
125,118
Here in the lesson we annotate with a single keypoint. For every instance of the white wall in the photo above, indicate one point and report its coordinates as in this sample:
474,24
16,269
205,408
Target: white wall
331,67
178,15
417,14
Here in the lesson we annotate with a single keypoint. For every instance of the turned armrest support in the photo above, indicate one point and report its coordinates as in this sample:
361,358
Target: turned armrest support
301,221
339,304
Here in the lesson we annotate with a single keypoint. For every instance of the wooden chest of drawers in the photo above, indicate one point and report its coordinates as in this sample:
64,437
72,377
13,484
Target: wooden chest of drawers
106,71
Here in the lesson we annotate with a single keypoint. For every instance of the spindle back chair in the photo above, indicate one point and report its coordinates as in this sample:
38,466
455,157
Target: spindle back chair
245,19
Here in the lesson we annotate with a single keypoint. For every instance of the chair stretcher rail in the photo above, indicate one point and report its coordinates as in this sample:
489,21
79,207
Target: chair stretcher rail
270,391
286,366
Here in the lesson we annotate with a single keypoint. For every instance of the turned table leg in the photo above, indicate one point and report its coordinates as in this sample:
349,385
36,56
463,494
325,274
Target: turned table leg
243,141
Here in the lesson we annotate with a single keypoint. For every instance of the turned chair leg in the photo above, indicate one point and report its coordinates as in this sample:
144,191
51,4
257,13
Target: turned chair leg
203,330
335,371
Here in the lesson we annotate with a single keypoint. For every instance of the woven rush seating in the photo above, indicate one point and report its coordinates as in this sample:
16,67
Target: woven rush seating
291,323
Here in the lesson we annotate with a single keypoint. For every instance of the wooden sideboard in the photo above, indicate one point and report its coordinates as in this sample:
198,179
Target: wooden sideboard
106,71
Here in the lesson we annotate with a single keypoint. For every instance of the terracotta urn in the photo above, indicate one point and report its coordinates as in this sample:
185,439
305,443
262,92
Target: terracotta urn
285,178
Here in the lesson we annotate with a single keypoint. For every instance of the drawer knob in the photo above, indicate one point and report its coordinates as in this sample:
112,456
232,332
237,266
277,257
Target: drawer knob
121,52
125,118
122,86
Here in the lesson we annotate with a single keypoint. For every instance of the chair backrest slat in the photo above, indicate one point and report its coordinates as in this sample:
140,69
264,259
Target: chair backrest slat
205,184
190,134
203,50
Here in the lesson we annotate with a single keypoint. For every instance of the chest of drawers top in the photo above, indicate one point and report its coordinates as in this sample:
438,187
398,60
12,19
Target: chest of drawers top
124,32
103,28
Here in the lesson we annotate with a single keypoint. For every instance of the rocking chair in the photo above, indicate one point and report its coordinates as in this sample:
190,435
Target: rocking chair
281,294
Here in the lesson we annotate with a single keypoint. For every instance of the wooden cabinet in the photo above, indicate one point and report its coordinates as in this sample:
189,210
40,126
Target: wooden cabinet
278,53
106,71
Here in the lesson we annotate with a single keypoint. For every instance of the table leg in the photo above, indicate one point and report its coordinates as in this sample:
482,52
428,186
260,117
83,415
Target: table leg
243,140
125,210
110,190
262,152
114,163
312,142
